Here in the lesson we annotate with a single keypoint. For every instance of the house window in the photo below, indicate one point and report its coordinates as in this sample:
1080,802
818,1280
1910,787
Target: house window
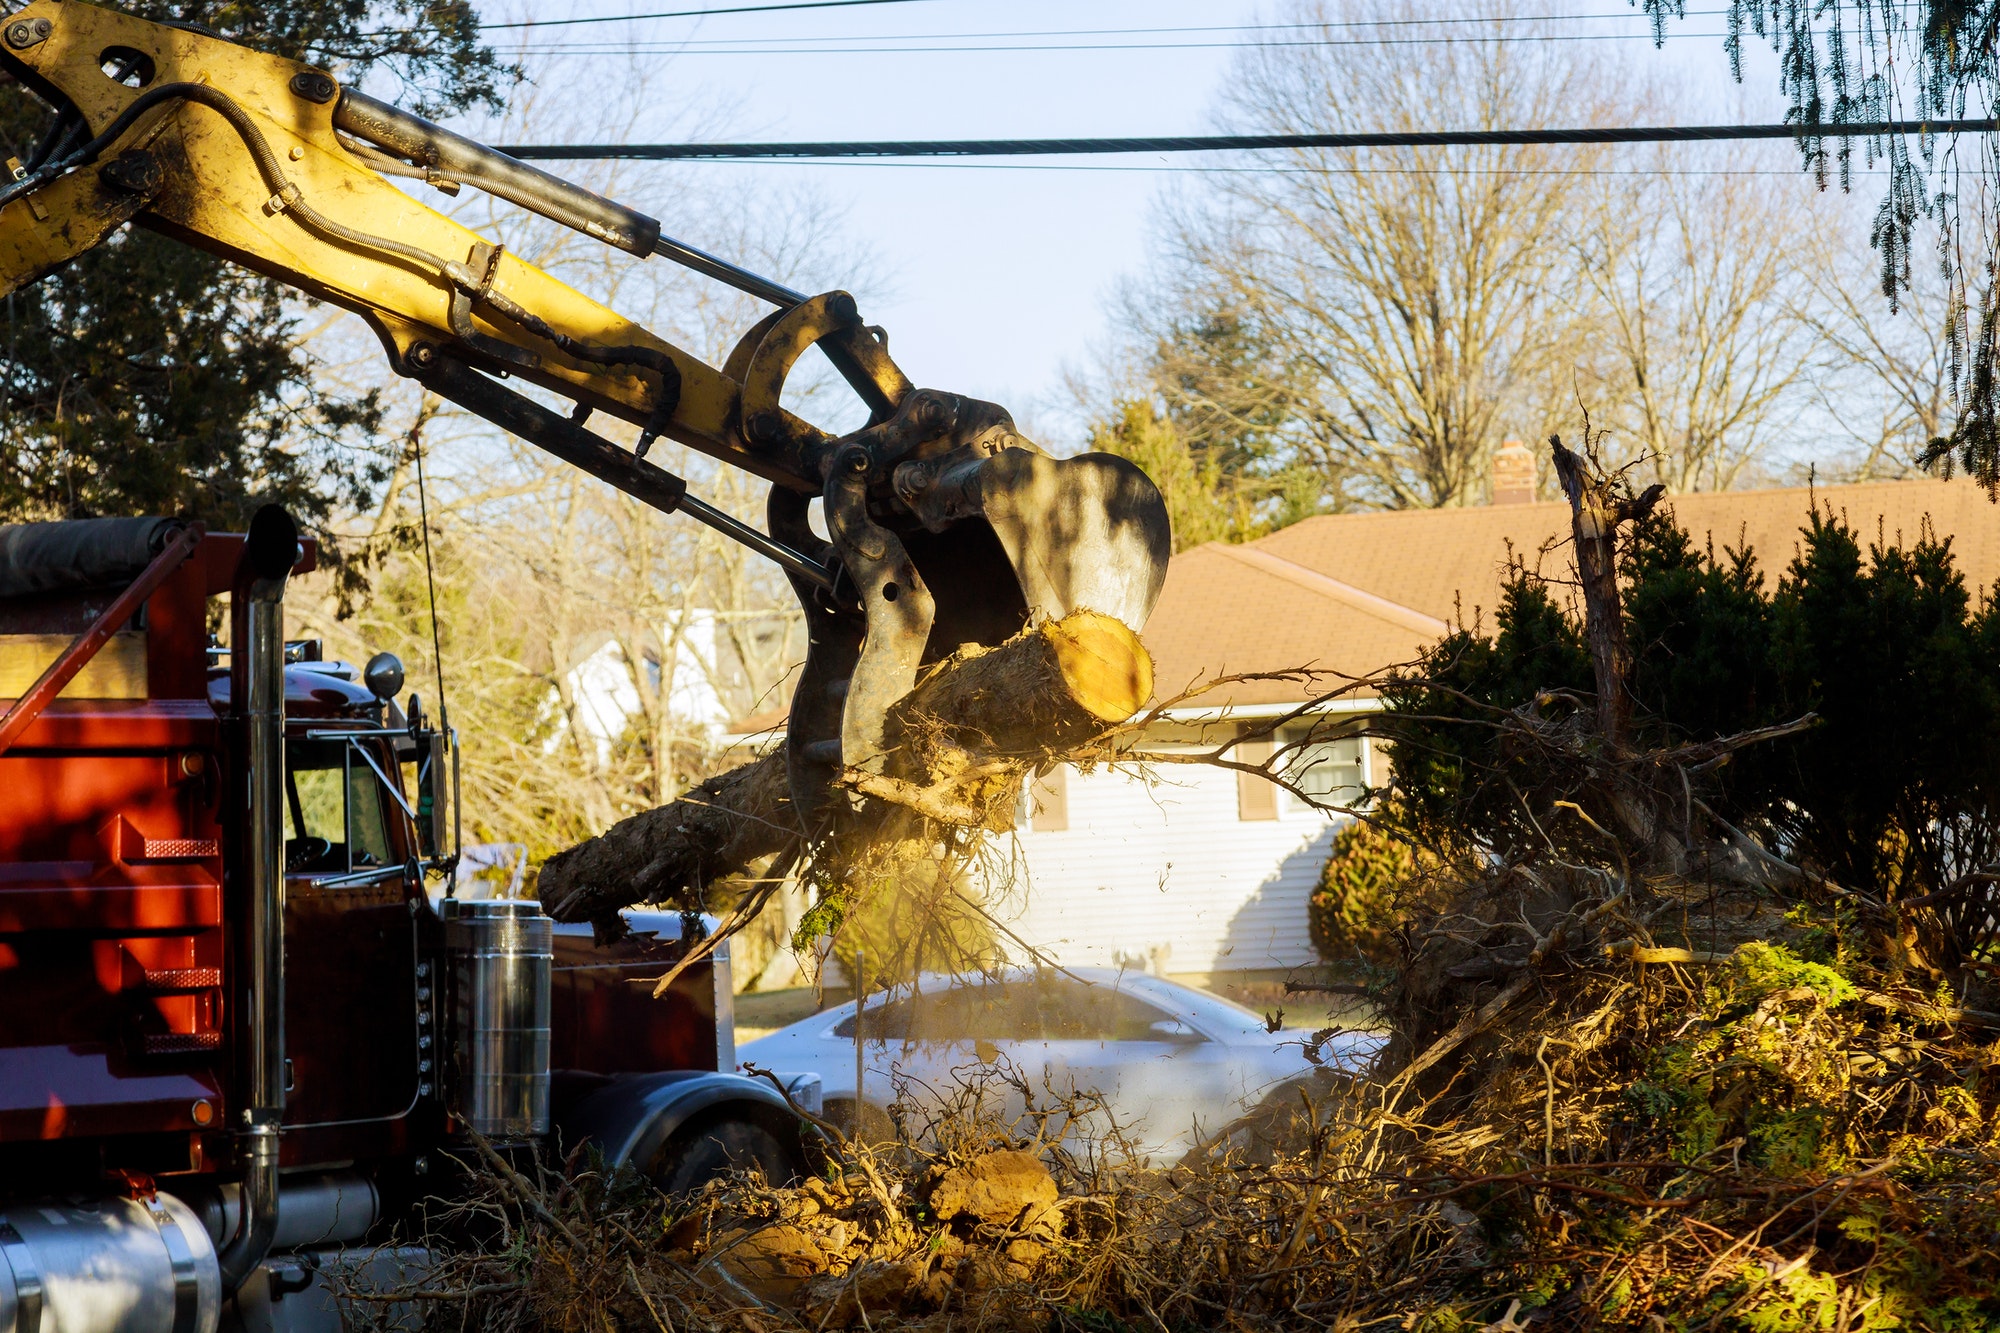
1333,769
1044,802
1050,801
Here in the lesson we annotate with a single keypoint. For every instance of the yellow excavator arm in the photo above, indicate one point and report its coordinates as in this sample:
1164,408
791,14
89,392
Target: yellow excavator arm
947,526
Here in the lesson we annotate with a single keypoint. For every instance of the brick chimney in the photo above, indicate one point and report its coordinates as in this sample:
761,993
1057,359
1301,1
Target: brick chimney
1514,474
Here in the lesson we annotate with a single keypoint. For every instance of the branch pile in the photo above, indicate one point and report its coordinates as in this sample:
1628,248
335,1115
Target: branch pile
1739,1141
1644,1071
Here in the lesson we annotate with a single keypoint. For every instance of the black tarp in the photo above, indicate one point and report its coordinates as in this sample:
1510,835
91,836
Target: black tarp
82,553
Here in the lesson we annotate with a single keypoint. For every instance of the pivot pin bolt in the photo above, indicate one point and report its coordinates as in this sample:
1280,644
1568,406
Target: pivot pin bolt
314,86
27,32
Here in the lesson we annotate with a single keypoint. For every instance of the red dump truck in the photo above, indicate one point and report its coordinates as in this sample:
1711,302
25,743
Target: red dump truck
239,1040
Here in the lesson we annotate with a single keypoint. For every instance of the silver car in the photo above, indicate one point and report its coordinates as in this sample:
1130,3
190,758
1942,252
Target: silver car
1171,1065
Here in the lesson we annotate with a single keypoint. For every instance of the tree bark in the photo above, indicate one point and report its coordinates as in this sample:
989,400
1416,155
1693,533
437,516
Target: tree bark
712,832
960,743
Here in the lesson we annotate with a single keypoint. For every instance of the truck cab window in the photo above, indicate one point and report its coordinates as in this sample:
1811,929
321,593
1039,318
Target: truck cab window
333,815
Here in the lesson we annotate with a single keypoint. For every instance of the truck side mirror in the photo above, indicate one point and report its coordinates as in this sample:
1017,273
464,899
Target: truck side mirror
384,676
441,792
438,815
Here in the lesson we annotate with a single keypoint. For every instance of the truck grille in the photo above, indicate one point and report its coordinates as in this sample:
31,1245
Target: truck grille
180,980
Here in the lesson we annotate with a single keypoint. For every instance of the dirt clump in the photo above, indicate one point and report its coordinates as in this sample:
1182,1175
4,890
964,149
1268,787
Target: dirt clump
1008,1189
775,1261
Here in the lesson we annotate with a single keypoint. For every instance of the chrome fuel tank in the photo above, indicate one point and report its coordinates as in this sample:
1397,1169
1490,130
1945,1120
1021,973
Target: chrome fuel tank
107,1265
501,953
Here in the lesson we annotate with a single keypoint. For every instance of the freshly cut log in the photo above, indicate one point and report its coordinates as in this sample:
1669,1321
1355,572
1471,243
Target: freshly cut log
715,830
961,742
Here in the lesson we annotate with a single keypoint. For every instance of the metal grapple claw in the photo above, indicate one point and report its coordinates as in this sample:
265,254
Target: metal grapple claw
947,527
1086,532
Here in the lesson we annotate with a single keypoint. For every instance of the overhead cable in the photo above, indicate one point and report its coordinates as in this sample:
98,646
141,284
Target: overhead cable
689,48
1182,169
695,13
1330,23
1212,143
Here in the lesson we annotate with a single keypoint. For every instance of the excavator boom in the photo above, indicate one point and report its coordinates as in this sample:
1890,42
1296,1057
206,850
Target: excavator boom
947,527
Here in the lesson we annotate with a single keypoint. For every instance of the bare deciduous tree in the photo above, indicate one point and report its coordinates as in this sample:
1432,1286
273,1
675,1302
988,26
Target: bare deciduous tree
1406,306
1362,329
1885,373
1700,320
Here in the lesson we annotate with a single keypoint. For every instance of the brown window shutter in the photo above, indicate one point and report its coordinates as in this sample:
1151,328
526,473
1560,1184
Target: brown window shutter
1049,801
1256,797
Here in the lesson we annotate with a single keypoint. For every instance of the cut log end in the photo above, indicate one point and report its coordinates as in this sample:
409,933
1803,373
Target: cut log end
1108,672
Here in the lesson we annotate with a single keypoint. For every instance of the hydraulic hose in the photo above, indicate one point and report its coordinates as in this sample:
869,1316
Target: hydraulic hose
287,197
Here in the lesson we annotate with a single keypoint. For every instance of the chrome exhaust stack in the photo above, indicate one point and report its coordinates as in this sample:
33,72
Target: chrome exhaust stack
257,696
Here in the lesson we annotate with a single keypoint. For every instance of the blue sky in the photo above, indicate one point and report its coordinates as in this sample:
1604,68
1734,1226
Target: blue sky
991,281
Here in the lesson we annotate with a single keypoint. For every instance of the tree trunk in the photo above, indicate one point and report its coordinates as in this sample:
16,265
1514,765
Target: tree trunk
1596,510
960,743
1595,513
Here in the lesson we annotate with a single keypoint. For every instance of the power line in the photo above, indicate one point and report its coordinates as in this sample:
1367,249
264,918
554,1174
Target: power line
769,45
686,48
961,164
1245,27
696,13
1329,25
1211,143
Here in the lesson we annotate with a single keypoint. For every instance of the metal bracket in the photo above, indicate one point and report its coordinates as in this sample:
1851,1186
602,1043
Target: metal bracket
24,33
187,1280
484,260
834,631
831,322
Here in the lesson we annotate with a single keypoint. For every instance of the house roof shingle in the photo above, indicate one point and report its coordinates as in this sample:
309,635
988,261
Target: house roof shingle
1433,559
1351,594
1229,610
1355,593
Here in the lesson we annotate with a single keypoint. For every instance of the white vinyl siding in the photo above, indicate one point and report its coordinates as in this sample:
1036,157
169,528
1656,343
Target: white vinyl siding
1165,872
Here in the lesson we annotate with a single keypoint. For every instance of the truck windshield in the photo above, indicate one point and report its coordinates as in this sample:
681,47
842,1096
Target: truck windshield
333,816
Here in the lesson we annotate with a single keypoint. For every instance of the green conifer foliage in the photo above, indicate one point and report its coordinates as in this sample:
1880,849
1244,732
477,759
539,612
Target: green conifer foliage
1894,792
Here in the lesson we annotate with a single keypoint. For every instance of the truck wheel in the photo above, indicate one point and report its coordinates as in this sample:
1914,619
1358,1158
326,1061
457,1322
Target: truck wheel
698,1155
